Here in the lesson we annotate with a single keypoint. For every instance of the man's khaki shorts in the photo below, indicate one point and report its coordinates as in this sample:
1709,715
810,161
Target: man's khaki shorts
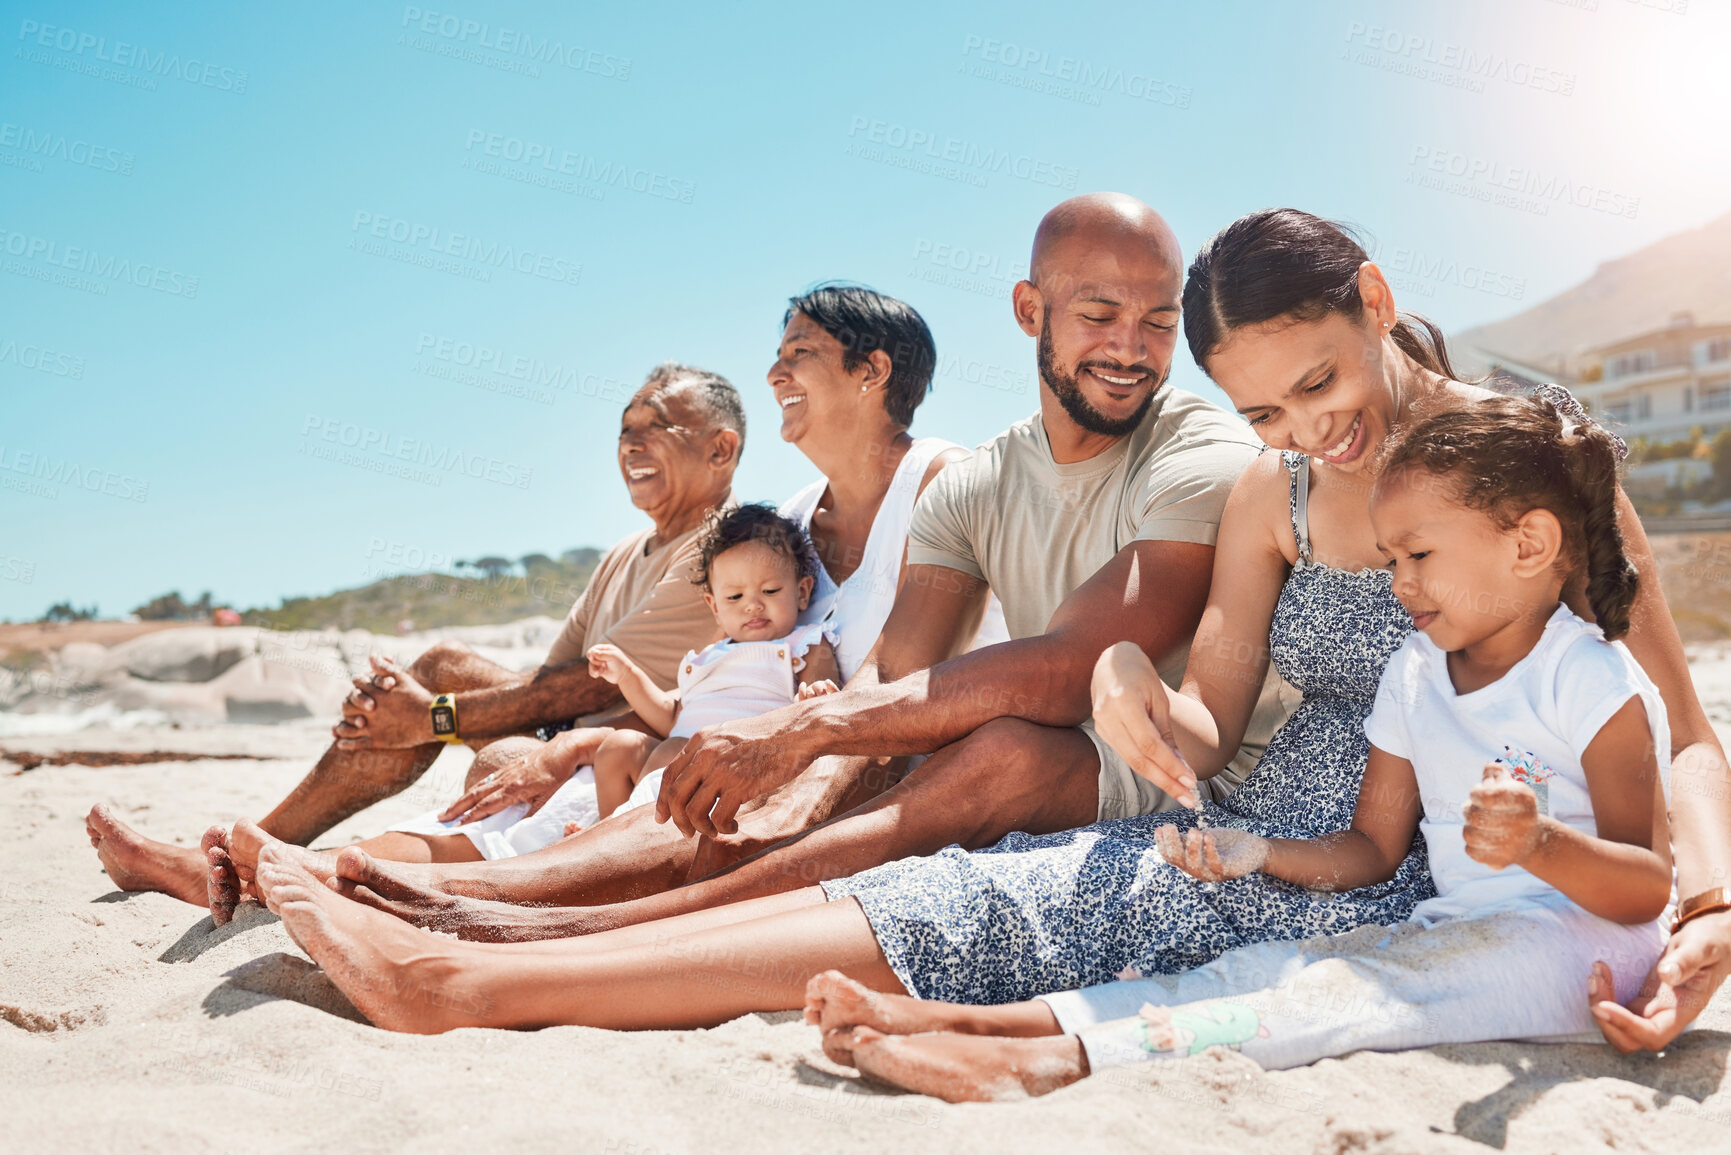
1125,793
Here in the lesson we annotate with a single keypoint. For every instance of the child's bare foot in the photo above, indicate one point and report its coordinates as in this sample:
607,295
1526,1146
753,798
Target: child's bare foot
836,1003
967,1068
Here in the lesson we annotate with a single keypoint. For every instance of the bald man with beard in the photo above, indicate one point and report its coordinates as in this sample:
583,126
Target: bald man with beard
1093,521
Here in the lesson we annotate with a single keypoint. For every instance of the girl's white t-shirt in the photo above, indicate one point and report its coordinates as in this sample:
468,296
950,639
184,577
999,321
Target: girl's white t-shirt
1538,718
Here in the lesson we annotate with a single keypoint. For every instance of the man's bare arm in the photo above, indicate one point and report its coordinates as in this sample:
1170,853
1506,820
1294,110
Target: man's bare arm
936,615
550,694
398,716
1151,593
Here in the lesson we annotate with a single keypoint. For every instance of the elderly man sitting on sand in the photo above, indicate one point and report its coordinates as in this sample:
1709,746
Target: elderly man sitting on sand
679,442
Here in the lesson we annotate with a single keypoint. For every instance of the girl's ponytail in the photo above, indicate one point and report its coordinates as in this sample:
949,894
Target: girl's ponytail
1611,578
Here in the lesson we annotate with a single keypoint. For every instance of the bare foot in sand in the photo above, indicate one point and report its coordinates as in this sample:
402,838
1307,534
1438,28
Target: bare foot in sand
222,884
388,887
399,977
134,862
231,856
835,1003
249,840
966,1068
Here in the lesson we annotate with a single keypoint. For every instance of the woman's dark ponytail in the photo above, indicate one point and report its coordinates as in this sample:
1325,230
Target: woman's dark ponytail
1284,263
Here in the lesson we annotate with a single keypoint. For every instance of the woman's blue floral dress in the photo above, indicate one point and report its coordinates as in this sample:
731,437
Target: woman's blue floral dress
1037,914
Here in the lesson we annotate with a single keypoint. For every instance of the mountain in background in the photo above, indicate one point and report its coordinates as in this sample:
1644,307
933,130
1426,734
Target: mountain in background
1690,271
501,591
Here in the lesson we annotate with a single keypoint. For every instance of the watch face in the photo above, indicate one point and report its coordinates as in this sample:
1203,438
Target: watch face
444,721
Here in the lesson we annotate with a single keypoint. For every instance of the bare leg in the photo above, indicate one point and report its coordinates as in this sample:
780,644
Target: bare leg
836,1004
622,759
341,784
345,782
1041,780
404,979
624,857
969,1069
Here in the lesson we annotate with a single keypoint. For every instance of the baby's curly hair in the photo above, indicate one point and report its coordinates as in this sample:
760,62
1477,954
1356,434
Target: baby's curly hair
759,523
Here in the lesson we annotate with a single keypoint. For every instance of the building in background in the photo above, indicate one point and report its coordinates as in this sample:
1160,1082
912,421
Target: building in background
1665,385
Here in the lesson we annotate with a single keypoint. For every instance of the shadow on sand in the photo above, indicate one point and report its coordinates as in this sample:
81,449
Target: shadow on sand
278,976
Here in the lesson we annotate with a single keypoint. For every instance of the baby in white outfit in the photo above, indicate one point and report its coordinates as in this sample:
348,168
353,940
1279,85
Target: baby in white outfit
757,572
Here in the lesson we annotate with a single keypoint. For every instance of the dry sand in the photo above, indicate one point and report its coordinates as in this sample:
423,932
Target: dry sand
127,1021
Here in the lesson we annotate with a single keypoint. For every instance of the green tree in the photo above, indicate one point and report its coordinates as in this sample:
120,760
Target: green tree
1721,458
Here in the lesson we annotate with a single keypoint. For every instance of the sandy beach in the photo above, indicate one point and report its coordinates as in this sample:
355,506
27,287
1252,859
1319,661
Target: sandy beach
128,1020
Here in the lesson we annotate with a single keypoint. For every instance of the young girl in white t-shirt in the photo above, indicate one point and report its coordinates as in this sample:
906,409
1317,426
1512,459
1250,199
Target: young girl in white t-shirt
757,570
1531,753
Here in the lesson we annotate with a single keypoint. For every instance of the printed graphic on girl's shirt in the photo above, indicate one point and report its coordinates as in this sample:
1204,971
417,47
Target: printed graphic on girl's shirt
1527,767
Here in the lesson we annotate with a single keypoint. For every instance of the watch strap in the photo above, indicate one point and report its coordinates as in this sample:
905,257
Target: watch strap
1707,902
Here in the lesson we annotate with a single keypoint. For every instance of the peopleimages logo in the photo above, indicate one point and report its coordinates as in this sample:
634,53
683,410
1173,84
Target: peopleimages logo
1451,171
102,266
57,146
1428,58
1069,76
579,166
136,57
463,246
405,456
42,359
869,137
514,42
46,471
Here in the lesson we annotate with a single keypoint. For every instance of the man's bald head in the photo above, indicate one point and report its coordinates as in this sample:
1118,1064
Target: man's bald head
1095,221
1103,297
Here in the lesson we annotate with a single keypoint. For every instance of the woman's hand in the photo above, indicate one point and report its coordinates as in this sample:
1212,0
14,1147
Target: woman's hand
1677,989
1212,855
521,775
607,662
1132,714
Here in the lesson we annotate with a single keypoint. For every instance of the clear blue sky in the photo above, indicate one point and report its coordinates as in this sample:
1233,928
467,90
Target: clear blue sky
230,231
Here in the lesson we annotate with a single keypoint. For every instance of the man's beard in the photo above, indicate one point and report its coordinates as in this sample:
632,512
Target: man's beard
1069,392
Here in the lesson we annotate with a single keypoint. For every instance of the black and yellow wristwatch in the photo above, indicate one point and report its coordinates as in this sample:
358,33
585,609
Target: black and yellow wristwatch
444,711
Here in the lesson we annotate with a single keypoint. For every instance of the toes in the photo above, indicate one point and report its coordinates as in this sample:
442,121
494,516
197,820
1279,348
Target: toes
215,837
284,892
354,865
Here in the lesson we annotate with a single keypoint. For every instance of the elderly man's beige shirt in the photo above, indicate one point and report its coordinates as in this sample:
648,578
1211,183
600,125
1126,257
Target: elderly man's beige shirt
644,599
